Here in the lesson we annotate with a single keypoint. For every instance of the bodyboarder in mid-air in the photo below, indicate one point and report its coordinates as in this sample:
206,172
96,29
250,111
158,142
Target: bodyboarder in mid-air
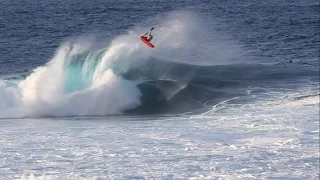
147,36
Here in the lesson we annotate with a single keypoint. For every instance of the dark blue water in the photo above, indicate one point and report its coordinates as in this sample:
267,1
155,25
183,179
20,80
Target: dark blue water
271,31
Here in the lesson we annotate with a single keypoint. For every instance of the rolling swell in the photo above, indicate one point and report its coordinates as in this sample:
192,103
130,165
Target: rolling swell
172,87
221,74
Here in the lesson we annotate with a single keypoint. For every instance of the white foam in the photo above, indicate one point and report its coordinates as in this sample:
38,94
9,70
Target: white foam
10,99
31,176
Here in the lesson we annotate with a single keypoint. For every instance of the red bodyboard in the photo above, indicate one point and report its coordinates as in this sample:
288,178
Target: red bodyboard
147,42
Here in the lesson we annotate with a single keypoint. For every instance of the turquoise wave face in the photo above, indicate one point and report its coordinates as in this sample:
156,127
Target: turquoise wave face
79,71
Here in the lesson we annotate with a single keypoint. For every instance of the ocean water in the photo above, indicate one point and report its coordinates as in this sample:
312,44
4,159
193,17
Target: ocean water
230,91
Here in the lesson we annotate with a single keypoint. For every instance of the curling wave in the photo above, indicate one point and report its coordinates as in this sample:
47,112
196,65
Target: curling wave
128,77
